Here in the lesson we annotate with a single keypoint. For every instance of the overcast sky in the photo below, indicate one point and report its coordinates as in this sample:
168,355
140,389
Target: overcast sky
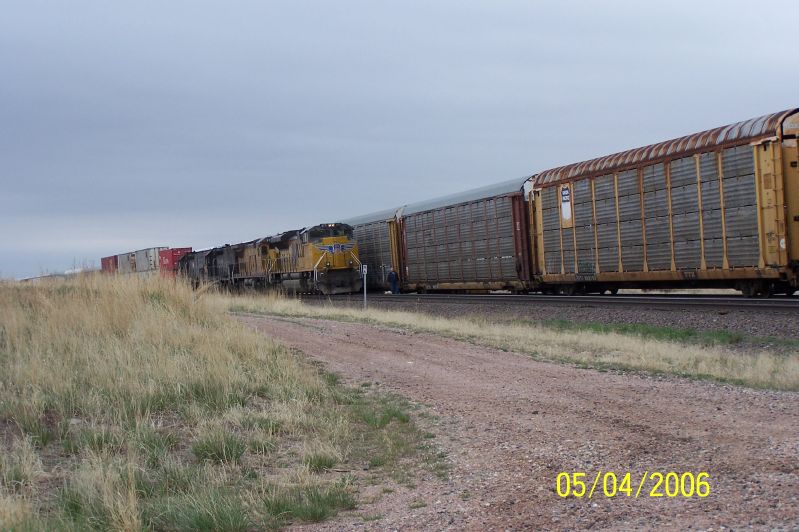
134,124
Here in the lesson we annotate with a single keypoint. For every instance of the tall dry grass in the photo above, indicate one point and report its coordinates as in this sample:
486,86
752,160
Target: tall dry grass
120,351
156,410
759,368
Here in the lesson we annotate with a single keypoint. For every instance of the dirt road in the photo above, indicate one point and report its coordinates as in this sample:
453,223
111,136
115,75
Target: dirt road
511,424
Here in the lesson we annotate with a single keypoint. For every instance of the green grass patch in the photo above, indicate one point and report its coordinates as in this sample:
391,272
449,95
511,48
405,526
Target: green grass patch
34,425
101,440
655,332
155,445
260,422
381,413
312,504
318,462
211,510
261,444
219,446
177,478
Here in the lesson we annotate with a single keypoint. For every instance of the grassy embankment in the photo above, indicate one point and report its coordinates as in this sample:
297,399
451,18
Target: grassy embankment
129,404
637,348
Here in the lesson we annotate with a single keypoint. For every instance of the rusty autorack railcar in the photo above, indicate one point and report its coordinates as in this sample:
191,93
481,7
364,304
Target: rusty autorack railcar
718,208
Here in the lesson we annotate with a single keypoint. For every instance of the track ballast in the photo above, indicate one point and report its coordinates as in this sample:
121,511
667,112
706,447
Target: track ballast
773,304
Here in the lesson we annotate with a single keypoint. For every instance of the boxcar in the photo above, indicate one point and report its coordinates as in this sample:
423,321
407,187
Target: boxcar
718,208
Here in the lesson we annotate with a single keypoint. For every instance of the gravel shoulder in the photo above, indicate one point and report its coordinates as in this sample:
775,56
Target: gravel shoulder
510,424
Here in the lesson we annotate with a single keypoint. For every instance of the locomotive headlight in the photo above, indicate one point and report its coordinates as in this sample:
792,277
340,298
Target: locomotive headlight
327,264
350,263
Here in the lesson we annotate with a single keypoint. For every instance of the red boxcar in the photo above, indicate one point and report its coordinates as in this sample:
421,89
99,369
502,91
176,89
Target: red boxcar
109,264
168,260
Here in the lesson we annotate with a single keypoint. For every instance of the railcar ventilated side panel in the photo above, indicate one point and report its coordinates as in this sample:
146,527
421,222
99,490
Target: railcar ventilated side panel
711,210
607,227
685,214
656,217
630,226
740,205
551,220
568,250
462,243
584,227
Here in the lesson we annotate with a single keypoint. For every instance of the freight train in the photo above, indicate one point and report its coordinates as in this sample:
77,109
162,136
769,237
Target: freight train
319,259
715,209
719,208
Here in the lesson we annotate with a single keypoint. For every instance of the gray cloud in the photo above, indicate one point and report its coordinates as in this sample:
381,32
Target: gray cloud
154,123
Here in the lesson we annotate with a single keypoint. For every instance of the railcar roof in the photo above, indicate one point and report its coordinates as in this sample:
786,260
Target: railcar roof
738,133
379,216
488,191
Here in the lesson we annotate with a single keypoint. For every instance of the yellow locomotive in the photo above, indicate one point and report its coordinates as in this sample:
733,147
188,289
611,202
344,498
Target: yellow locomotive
319,259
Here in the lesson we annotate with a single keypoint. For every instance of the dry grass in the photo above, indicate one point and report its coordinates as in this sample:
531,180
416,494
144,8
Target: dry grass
762,369
154,409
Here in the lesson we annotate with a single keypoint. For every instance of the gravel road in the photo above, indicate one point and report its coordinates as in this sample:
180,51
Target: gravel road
511,424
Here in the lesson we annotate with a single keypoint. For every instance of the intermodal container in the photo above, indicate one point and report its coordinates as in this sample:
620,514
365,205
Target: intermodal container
109,264
126,263
168,260
147,260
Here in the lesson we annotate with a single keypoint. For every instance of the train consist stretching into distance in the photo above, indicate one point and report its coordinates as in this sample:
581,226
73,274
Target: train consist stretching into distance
323,258
719,208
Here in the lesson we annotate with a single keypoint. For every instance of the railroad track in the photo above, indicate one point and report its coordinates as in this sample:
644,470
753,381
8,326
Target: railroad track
773,304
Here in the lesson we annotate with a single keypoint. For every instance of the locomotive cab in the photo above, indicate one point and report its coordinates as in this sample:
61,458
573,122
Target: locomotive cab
334,257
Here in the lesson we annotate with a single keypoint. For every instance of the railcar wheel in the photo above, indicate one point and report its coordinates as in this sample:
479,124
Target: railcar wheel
568,290
769,290
750,288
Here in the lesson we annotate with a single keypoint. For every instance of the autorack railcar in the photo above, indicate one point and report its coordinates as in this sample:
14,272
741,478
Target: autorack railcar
471,241
718,208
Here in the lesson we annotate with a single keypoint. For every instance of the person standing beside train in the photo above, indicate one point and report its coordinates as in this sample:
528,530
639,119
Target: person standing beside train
393,280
